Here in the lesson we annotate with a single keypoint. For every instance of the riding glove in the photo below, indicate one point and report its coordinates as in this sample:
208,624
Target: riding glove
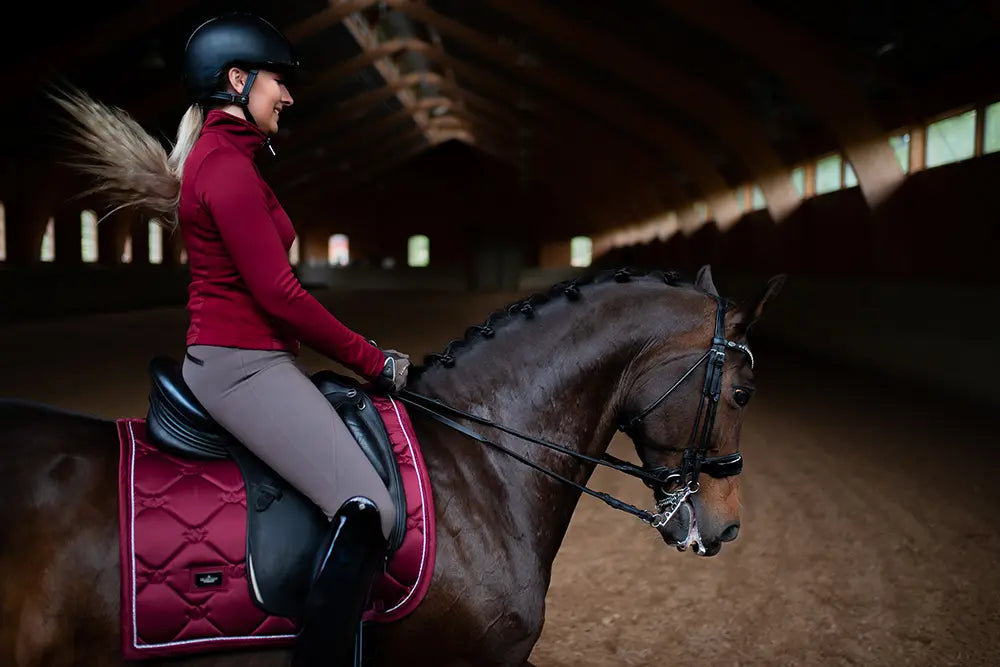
394,372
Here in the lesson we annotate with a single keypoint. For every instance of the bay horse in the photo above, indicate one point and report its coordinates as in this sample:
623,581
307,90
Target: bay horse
617,349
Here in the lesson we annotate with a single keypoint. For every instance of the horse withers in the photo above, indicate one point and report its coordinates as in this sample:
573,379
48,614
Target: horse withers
665,361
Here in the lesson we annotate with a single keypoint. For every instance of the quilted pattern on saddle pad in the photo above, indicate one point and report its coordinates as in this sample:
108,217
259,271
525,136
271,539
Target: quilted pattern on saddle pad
183,549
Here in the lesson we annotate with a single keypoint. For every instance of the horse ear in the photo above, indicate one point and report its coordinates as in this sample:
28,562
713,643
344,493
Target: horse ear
704,280
754,308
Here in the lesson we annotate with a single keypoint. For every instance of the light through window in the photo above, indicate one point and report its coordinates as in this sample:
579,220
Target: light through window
828,174
155,242
991,129
88,236
951,139
338,251
580,251
49,242
418,251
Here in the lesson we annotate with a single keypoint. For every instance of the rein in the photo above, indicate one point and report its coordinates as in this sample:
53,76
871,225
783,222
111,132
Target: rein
683,479
423,403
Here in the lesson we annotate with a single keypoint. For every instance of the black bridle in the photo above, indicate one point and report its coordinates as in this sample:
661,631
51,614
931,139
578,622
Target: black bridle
671,486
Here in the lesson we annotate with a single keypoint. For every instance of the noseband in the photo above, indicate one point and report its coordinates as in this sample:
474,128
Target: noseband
671,486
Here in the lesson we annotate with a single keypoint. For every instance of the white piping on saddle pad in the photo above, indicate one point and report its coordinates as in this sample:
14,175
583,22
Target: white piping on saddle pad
423,508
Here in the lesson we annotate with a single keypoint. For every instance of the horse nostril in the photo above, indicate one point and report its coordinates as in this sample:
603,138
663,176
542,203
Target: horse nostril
730,533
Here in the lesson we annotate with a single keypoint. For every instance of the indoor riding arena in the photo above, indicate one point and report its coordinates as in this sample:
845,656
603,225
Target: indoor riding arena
446,159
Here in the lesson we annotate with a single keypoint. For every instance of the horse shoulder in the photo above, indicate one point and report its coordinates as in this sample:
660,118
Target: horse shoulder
485,607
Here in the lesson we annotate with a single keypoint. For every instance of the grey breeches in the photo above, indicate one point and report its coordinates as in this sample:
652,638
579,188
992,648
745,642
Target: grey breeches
266,401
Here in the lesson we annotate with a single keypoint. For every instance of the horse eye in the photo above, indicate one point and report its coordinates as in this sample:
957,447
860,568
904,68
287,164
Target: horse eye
742,397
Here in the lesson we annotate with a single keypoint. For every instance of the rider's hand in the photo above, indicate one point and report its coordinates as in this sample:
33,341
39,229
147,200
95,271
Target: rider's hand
394,372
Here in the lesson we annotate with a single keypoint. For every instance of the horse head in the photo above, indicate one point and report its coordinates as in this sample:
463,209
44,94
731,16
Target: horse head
686,424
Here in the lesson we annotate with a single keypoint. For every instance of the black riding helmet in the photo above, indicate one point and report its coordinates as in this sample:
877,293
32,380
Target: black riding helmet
233,40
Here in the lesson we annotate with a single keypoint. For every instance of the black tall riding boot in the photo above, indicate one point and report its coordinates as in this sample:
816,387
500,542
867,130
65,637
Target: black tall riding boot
353,555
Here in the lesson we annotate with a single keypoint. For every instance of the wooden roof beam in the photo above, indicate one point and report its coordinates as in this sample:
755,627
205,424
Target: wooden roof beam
563,122
449,73
357,108
291,170
333,175
572,172
808,69
323,79
336,11
366,38
735,126
602,103
321,150
372,154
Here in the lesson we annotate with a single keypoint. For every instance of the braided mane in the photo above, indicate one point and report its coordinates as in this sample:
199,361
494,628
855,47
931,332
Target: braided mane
570,289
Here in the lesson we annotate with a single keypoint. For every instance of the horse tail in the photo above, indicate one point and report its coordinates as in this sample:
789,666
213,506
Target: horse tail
132,169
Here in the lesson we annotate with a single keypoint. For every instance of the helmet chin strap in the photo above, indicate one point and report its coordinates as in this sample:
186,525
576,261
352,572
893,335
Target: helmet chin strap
243,100
245,97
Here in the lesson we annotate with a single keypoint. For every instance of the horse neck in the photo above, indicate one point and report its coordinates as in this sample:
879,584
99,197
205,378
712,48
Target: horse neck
559,376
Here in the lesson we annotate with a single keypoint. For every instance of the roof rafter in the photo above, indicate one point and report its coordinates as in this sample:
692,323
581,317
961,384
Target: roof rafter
599,102
803,62
326,78
317,153
735,126
332,176
382,158
369,42
611,197
562,119
579,152
336,11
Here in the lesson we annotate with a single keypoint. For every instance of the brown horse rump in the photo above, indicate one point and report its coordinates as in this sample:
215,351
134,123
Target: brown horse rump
183,536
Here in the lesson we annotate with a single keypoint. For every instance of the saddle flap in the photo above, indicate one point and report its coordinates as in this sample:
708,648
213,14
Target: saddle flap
365,424
284,528
284,532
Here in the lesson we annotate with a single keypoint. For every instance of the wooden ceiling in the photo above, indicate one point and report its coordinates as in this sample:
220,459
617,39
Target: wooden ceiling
631,108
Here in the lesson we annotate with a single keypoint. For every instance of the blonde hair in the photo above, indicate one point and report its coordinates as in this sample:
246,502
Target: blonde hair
131,168
188,132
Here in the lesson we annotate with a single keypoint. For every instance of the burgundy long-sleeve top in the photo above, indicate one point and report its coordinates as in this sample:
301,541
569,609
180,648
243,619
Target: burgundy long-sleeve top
243,292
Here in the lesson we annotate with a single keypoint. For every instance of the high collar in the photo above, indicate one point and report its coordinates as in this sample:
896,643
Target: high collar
244,135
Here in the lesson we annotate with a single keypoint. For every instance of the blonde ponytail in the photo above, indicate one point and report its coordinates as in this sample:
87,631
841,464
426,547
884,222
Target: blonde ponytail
188,132
131,167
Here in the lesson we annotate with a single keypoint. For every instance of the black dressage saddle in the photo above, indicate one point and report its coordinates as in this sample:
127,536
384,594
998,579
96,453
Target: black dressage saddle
284,528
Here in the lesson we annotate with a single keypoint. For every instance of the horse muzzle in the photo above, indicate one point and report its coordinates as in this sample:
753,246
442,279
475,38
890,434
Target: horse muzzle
677,532
682,532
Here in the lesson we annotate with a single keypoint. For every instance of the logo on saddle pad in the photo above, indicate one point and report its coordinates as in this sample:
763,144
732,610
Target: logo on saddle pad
208,580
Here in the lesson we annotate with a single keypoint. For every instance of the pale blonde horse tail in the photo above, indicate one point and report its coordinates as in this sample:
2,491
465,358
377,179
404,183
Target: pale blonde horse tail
131,168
